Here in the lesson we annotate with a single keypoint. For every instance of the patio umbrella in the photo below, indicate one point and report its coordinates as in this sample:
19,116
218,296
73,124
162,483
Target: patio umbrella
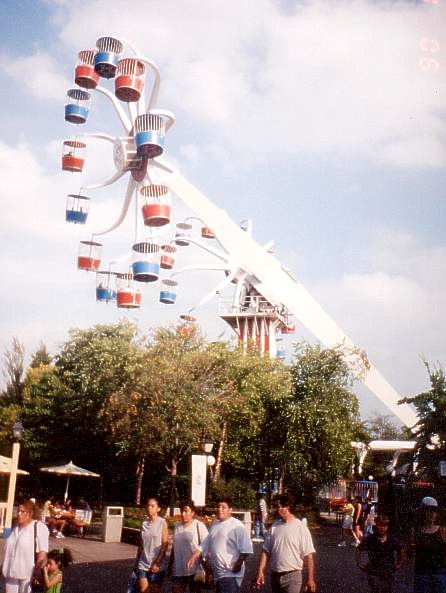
69,469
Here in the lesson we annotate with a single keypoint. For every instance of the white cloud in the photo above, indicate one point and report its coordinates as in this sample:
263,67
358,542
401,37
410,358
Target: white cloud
38,74
395,311
334,78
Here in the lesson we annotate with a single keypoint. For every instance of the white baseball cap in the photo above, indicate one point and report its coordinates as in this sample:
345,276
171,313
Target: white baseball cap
429,501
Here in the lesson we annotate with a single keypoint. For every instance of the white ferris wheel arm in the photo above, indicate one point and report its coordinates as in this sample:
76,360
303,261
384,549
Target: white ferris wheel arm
277,285
122,115
153,98
167,114
215,290
154,93
216,252
109,181
132,185
200,267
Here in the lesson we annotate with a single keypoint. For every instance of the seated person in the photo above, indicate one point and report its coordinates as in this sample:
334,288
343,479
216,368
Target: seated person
56,521
76,521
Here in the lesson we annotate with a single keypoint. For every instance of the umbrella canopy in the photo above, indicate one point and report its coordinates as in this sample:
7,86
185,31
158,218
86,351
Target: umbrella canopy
5,466
69,469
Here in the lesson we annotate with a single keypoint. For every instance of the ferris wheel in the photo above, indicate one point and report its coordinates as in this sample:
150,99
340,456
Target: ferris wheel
265,294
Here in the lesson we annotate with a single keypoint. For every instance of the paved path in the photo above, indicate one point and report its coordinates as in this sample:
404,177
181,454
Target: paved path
104,568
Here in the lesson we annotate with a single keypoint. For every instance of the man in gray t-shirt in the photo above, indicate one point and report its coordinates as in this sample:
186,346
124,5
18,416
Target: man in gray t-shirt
288,547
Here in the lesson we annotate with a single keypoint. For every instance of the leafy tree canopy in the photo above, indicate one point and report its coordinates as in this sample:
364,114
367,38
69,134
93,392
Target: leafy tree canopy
430,430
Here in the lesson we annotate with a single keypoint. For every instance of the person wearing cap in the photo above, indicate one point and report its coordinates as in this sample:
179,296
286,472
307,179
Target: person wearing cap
428,543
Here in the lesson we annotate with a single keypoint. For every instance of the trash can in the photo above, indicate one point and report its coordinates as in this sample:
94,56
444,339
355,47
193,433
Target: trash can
112,518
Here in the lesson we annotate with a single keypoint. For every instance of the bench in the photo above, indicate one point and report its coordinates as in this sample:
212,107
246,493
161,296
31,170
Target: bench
81,520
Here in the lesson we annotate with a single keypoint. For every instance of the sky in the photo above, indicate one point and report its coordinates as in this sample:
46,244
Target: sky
323,122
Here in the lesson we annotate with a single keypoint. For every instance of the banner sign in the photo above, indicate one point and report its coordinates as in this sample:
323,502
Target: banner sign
198,483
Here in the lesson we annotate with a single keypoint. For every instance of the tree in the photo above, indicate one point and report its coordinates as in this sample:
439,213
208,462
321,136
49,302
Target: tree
168,406
92,364
320,419
430,430
383,427
255,385
40,357
48,426
14,368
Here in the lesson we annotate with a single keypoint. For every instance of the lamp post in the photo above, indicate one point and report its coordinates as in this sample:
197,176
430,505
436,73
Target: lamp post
17,435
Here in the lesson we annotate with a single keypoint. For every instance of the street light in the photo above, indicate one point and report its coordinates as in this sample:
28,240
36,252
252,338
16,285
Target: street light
17,431
206,445
17,435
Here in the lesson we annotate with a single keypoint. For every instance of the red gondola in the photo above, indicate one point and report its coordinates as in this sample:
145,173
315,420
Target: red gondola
156,209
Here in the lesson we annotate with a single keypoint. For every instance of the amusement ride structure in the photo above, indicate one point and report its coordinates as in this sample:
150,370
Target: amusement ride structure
265,295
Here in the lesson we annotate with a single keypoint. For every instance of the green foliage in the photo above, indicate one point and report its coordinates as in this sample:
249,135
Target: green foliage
239,491
40,357
320,419
430,430
48,428
133,409
382,427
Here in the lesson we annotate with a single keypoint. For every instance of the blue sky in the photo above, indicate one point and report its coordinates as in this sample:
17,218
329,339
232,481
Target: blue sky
320,121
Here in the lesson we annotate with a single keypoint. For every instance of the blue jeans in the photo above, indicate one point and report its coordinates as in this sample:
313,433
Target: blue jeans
259,528
227,585
430,583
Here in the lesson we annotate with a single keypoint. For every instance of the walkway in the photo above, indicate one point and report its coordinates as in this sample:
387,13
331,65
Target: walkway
104,568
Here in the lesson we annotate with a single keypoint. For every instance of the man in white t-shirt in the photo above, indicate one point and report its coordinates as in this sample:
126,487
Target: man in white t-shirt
226,546
288,547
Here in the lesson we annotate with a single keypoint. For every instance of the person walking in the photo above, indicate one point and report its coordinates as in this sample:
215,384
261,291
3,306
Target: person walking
26,550
427,541
288,549
347,524
357,520
384,557
261,516
187,537
151,556
226,546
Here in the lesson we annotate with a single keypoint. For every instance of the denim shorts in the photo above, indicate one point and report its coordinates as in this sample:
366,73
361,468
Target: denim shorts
152,577
227,585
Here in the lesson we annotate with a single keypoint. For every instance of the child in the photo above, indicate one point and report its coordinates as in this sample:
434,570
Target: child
52,571
385,555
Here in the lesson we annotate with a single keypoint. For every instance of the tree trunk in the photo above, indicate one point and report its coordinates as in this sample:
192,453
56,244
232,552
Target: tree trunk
173,485
281,479
140,465
217,469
